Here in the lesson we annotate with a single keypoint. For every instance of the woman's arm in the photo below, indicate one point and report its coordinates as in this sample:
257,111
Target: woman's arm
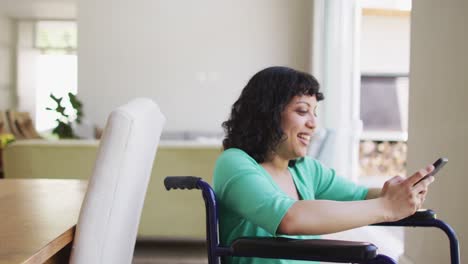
398,199
317,217
373,193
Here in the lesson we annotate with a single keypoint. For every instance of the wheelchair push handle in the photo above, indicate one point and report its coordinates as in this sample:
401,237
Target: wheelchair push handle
181,182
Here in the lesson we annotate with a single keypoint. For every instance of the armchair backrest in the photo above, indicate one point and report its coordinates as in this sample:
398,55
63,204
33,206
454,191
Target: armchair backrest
109,218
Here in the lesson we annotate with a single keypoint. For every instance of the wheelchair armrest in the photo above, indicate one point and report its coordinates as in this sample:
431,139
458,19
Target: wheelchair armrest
416,219
428,218
303,249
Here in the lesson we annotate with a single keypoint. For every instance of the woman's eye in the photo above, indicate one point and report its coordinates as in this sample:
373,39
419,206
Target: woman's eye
302,112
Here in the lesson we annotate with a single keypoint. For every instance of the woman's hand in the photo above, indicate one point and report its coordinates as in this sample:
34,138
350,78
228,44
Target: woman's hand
401,198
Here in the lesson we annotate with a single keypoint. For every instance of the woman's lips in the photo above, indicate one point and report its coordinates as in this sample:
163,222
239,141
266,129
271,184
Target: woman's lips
304,138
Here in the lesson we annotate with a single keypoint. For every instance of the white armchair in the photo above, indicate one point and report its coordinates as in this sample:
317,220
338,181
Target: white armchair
109,218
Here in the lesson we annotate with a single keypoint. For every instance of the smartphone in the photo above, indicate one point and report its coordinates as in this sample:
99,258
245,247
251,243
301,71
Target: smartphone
438,165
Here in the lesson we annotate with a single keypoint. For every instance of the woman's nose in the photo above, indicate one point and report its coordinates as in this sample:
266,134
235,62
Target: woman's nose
311,122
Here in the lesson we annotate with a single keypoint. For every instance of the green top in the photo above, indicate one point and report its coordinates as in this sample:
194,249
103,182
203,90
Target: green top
250,203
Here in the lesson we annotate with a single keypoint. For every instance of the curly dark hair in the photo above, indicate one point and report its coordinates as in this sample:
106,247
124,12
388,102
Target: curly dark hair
255,121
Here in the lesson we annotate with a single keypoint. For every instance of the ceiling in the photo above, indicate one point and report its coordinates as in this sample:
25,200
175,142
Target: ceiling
39,9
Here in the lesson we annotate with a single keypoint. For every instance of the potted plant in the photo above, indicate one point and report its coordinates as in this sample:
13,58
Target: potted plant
64,128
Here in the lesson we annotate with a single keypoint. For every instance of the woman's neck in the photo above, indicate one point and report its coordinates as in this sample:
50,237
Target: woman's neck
275,163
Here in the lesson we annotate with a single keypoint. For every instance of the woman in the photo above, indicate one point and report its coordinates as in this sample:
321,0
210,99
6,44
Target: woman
267,186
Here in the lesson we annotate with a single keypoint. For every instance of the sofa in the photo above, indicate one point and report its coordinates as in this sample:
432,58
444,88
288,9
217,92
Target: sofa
166,215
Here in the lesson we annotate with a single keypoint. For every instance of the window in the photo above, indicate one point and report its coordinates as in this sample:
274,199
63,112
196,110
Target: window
385,45
47,65
56,37
384,107
57,75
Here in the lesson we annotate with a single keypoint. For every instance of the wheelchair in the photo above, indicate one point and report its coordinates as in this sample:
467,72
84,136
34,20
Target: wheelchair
301,249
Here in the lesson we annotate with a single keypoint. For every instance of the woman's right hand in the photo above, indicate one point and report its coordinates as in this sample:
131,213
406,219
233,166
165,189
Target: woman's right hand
401,198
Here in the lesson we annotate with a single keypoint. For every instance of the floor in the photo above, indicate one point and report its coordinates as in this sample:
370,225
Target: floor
170,252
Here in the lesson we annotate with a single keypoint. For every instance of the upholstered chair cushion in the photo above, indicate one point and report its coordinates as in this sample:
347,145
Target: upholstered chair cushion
108,222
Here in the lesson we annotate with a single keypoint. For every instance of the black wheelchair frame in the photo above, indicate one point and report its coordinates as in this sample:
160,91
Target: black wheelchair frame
301,249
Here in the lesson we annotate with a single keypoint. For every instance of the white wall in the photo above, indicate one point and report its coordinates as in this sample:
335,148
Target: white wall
437,122
385,44
192,57
7,43
27,68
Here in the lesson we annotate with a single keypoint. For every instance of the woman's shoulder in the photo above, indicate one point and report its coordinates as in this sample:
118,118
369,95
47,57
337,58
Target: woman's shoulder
232,163
235,155
234,159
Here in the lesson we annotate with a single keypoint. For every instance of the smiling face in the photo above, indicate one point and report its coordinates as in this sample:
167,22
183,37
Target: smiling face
298,121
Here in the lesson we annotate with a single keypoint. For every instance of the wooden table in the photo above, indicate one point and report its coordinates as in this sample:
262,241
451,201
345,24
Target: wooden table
38,218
